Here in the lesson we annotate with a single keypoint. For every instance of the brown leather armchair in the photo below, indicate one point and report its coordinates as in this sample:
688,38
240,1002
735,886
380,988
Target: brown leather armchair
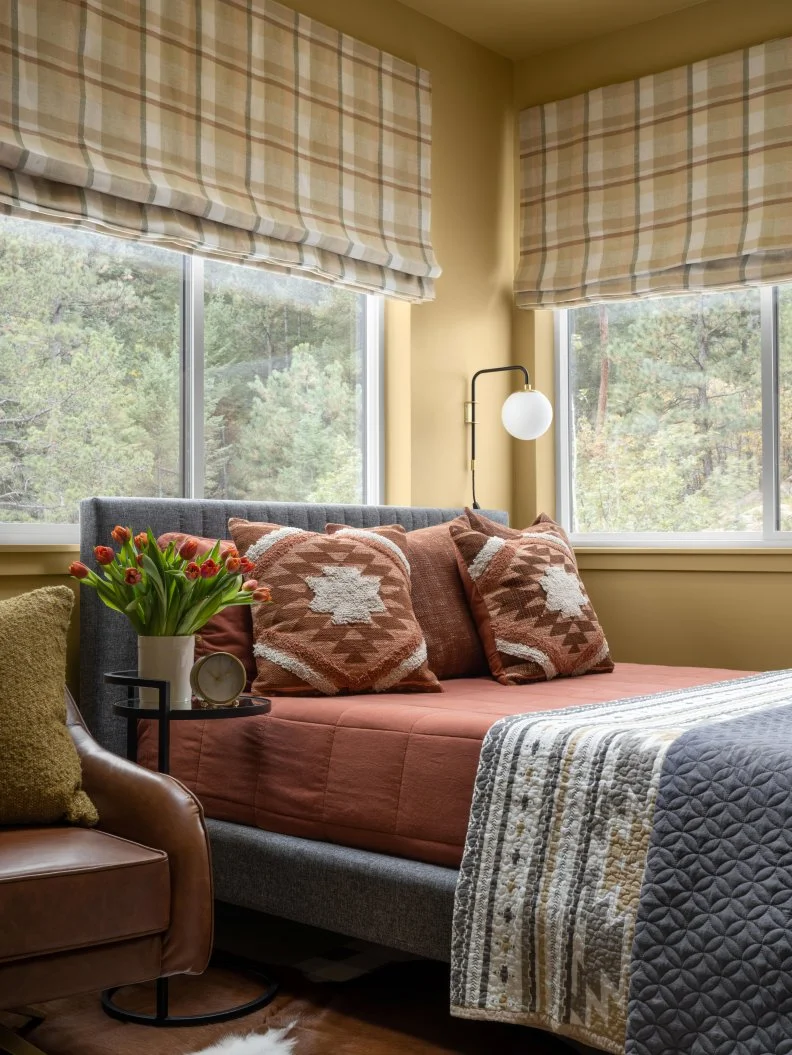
85,909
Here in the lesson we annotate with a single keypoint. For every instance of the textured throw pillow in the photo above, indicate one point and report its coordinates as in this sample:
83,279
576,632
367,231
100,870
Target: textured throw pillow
438,596
530,605
341,619
230,630
491,527
40,775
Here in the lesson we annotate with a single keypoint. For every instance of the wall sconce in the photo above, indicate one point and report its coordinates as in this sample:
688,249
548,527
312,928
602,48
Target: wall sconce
525,415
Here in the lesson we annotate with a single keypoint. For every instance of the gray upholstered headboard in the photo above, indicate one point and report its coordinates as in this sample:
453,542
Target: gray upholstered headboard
107,642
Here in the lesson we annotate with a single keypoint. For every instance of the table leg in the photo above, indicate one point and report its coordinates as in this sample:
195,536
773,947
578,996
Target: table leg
163,759
162,998
132,739
162,1016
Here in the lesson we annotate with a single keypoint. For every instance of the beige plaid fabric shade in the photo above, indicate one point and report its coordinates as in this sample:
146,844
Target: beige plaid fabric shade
235,128
674,182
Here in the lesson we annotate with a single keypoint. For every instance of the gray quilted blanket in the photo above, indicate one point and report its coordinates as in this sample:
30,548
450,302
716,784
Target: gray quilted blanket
627,878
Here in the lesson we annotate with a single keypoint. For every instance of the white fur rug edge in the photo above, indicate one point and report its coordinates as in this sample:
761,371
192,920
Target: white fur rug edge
273,1042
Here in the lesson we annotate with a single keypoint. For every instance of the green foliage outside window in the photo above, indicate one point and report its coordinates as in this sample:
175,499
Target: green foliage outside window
90,367
667,414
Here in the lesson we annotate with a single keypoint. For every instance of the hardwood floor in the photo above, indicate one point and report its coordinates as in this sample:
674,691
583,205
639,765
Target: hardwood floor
400,1008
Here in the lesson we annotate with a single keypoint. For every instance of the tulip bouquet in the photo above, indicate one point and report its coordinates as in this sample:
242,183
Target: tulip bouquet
171,592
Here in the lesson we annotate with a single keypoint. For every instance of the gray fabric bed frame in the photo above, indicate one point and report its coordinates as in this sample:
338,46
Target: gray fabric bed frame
403,904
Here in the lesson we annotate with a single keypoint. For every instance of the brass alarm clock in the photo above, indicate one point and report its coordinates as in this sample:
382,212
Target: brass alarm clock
218,678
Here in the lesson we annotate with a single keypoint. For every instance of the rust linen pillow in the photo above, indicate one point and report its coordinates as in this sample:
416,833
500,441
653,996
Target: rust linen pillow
341,619
492,527
452,642
530,605
230,630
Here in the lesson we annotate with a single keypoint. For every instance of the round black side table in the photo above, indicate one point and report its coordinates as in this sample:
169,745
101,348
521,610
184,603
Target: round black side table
133,712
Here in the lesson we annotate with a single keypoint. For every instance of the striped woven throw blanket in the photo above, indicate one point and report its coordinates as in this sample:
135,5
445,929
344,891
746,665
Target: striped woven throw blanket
561,824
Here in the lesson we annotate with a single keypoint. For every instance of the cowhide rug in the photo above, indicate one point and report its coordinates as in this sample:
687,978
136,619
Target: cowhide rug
273,1042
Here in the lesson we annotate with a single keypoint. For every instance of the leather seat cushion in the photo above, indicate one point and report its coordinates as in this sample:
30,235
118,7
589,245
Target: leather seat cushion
71,888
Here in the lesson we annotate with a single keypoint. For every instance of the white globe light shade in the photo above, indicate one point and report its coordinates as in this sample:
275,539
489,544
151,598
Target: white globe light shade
527,415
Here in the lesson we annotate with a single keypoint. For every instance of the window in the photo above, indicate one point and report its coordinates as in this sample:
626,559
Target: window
129,369
674,420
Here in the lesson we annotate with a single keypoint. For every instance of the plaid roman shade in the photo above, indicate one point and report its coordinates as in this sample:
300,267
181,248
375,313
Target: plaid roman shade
238,129
674,182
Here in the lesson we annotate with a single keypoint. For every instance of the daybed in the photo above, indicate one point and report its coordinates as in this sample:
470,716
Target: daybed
347,813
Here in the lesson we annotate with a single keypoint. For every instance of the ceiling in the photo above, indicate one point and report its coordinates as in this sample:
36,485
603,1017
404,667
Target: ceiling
518,28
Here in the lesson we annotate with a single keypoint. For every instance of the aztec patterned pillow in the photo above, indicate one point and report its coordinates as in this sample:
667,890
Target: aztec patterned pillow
441,607
341,619
531,608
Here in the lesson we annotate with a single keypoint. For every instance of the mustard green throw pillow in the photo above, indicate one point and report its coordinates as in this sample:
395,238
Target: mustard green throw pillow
40,776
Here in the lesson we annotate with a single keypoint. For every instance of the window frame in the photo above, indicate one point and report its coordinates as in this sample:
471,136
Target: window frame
770,537
191,420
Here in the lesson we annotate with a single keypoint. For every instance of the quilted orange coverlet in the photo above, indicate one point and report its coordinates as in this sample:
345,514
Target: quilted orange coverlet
389,773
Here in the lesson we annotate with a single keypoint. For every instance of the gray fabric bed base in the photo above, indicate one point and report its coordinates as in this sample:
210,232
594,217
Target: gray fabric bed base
403,904
406,905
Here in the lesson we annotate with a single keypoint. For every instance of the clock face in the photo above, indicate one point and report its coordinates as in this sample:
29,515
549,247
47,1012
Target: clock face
218,677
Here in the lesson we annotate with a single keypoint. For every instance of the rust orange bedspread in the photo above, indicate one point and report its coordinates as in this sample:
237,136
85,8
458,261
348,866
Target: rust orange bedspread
390,773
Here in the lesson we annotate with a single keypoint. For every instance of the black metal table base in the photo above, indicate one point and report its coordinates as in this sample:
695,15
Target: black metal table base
162,1017
133,712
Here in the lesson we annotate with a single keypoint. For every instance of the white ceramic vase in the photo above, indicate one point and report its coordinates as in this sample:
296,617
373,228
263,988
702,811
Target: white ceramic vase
167,659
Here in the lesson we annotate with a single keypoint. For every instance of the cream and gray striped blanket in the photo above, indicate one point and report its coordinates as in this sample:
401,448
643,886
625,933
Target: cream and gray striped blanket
561,824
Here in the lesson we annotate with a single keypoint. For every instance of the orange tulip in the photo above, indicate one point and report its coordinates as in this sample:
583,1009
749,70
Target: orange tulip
209,569
141,540
188,548
250,585
262,595
192,571
233,565
104,554
79,570
121,534
132,577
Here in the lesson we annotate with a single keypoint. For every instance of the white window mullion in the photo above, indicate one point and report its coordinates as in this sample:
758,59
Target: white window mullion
192,378
770,453
564,466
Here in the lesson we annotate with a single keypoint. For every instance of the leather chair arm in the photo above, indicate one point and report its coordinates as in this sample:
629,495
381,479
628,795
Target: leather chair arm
157,811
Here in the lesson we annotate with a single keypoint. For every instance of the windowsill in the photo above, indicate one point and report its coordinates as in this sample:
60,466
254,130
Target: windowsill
39,547
754,560
753,549
39,535
682,542
32,561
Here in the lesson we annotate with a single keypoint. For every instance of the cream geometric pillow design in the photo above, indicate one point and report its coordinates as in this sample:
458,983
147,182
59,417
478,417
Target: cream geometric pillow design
341,618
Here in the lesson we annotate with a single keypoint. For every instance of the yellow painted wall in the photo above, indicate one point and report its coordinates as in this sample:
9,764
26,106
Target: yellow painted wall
434,348
710,609
28,568
712,28
705,609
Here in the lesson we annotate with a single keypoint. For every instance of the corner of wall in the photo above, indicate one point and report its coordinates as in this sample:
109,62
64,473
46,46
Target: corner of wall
534,461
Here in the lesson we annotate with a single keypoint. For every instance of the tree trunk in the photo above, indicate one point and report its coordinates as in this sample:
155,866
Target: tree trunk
707,458
605,364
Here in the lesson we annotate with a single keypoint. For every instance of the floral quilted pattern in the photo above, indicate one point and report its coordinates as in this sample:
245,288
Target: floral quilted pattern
712,958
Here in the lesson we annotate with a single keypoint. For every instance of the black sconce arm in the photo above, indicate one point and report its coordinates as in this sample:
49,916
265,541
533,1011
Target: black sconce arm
470,415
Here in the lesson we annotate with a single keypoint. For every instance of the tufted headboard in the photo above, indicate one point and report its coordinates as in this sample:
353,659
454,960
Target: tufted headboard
107,642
